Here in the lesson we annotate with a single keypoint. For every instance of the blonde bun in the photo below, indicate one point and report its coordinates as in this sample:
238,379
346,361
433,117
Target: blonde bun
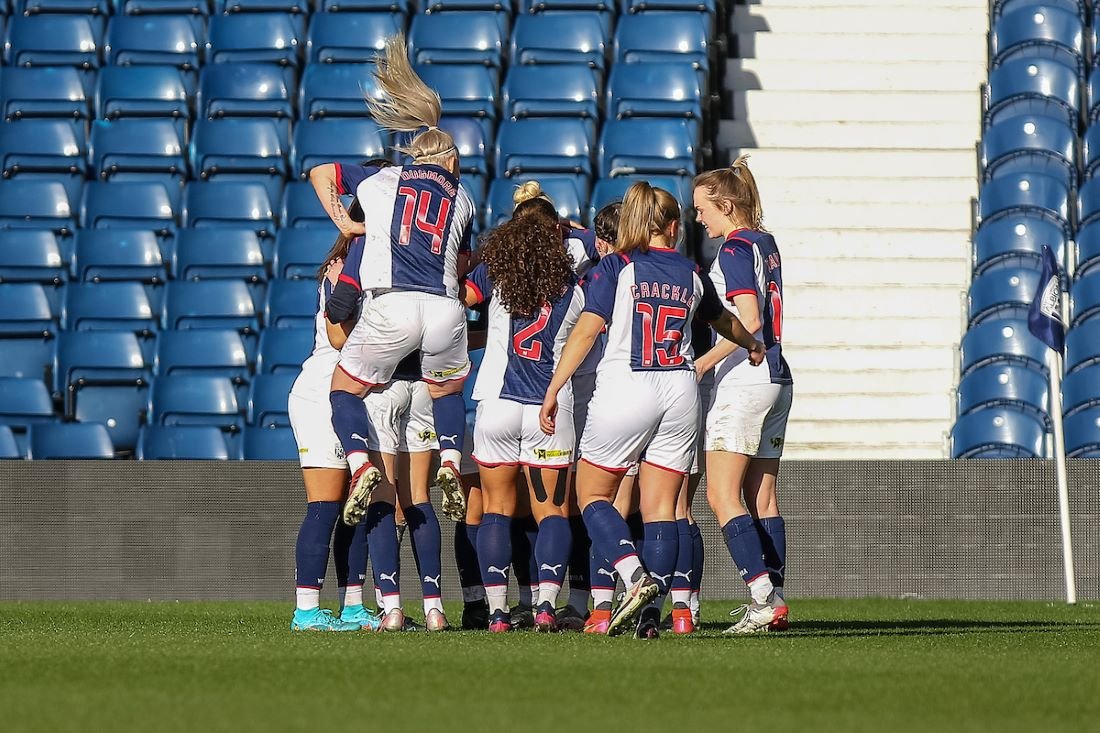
527,191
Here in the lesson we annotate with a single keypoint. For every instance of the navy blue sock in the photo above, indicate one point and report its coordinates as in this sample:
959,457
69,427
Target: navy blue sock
637,531
382,535
662,542
743,542
350,421
311,549
696,558
773,539
494,553
603,577
469,572
580,578
681,576
349,554
552,548
610,535
449,413
523,553
426,544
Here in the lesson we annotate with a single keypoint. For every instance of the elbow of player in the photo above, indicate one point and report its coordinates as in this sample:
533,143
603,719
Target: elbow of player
751,324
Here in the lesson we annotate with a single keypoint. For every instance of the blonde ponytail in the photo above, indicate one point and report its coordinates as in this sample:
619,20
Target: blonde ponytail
733,190
408,104
647,213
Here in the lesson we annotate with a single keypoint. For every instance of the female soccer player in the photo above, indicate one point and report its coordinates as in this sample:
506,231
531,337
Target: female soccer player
417,221
646,401
325,473
527,277
747,419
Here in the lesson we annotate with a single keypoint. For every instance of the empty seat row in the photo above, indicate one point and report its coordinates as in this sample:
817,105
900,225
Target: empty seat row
1007,432
1007,292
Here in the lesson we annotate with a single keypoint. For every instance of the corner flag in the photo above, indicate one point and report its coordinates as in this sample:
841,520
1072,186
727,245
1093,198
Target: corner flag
1044,318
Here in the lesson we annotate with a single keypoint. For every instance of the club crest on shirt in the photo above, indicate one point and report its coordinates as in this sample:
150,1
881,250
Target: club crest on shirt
339,452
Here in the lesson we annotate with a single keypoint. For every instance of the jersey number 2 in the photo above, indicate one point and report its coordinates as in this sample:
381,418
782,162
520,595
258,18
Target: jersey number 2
415,210
525,341
655,331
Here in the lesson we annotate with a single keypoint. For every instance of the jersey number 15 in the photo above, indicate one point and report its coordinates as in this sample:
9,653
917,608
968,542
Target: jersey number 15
415,211
656,331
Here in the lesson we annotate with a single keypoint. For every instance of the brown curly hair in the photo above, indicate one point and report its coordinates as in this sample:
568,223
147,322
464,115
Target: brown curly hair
527,263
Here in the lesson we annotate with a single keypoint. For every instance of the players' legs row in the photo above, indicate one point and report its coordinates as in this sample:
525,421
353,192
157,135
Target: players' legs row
549,495
412,487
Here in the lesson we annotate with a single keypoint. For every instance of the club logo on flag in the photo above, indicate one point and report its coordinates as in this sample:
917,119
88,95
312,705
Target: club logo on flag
1044,318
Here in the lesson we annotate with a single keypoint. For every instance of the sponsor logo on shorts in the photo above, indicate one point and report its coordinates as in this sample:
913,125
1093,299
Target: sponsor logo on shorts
427,435
542,454
444,373
303,451
777,442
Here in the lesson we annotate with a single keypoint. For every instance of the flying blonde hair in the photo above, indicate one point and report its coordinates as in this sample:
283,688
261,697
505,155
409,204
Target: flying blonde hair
409,105
733,190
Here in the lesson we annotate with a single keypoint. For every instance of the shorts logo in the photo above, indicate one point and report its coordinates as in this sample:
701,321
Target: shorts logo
444,373
777,442
303,451
339,451
542,454
427,435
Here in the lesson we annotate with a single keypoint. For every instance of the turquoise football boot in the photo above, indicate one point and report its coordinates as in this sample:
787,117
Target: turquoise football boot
320,619
366,619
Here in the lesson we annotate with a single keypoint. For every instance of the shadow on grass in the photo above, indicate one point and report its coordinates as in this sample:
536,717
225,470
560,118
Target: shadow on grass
918,627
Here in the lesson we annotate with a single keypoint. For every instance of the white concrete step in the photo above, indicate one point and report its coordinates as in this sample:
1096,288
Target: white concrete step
973,20
856,272
891,165
797,450
886,431
765,105
859,332
843,133
872,302
866,359
930,76
864,47
860,381
860,407
858,243
864,190
916,215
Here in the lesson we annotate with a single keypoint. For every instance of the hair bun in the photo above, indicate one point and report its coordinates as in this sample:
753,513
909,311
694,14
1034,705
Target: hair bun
526,191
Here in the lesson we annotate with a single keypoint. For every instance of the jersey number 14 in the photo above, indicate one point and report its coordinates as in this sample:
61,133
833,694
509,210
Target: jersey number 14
415,212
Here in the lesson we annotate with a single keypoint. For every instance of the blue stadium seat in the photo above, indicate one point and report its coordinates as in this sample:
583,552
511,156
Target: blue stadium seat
120,408
302,209
149,7
299,252
142,91
218,254
128,205
457,38
336,90
70,441
1002,293
42,146
182,442
543,145
998,432
1081,389
350,38
373,6
141,40
465,90
1088,202
663,38
210,304
1000,7
80,7
1090,153
264,6
245,90
1034,86
1038,32
100,358
118,254
1093,98
1033,193
1002,341
1016,241
1087,250
1084,299
28,358
109,306
253,37
45,91
603,8
1083,345
284,350
557,90
53,40
470,139
8,447
270,444
25,310
30,255
24,402
198,400
229,204
290,304
609,190
138,150
641,146
208,352
239,149
560,38
35,205
562,190
707,7
337,140
1031,143
1004,384
654,90
1083,433
267,400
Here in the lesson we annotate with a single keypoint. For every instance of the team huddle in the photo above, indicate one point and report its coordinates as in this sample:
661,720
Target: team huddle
602,395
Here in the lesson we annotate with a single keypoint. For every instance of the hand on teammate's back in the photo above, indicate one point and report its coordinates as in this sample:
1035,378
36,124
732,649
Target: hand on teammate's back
757,353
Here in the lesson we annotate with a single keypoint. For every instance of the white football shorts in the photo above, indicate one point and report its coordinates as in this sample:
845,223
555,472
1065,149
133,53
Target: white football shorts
507,433
750,419
401,418
397,323
311,421
648,416
584,386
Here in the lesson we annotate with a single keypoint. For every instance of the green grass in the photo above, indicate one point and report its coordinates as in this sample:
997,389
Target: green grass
866,665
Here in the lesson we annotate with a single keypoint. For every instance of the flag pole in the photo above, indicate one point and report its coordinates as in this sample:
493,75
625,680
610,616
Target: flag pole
1054,362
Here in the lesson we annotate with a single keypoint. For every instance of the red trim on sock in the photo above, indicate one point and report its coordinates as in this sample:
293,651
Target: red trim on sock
498,585
307,587
629,554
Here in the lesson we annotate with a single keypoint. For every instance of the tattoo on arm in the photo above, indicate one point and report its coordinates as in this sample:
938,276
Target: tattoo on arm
339,215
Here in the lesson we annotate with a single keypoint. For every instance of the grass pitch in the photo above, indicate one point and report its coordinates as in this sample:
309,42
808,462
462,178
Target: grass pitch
867,665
